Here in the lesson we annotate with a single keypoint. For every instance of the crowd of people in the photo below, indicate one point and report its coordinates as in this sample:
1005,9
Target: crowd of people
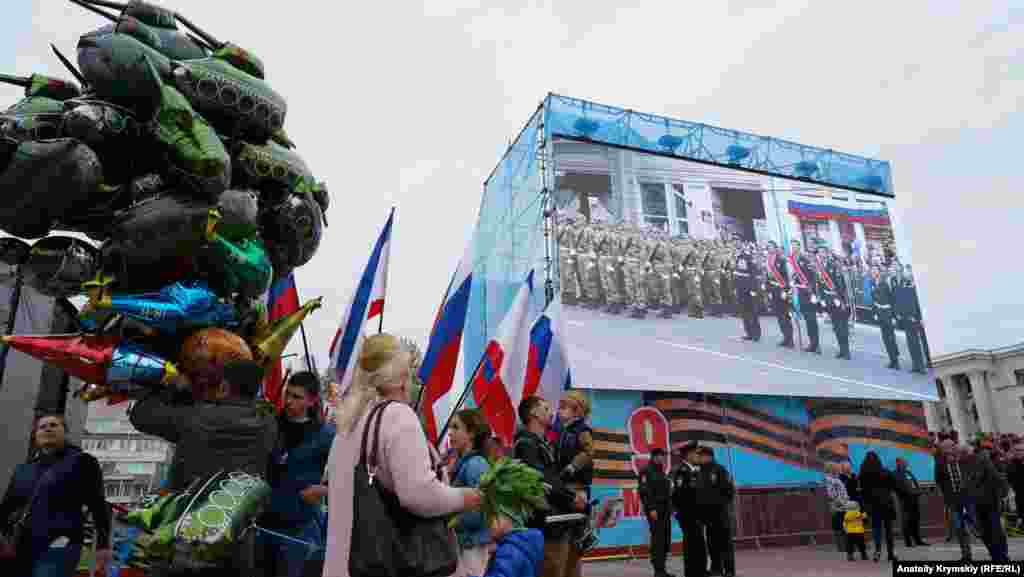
623,269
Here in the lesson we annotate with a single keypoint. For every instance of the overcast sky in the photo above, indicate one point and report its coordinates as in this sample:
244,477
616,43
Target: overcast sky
413,104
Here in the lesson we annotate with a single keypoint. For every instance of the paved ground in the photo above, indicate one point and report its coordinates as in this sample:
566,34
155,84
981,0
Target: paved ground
801,562
708,355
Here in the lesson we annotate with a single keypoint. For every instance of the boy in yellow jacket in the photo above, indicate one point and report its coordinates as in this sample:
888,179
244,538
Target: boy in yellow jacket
853,524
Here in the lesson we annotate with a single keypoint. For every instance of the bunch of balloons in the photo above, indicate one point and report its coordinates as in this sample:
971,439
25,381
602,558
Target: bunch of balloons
170,155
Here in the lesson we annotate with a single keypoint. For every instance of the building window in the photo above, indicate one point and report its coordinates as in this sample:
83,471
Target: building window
654,205
813,231
1019,375
941,388
680,204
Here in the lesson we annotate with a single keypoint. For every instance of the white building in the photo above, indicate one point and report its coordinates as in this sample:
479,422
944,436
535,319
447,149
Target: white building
980,391
706,201
133,464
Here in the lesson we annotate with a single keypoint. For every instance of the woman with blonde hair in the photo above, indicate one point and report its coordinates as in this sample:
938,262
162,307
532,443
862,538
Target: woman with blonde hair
382,373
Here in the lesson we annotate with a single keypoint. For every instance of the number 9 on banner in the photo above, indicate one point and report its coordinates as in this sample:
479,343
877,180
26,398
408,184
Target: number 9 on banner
648,430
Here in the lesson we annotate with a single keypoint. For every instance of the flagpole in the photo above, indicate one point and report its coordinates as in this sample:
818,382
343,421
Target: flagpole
305,345
380,324
462,398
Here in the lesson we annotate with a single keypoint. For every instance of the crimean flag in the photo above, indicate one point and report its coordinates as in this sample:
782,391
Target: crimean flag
437,372
282,300
498,381
367,303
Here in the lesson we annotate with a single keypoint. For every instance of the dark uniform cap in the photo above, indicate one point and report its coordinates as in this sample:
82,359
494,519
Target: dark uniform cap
688,447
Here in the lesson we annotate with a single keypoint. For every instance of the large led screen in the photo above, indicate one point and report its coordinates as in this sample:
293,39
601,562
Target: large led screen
685,276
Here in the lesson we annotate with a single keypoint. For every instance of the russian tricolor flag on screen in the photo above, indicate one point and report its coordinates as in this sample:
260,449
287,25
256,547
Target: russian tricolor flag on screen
437,372
367,304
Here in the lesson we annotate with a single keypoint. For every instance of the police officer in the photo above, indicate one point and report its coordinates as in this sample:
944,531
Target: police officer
805,281
655,489
835,298
715,496
686,484
882,297
778,287
908,313
748,275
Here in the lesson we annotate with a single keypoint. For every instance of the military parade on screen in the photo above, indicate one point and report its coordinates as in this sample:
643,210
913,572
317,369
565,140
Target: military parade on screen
623,269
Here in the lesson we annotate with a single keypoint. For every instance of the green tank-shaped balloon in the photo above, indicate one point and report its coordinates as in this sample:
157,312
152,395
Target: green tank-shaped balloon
197,153
112,64
41,181
155,242
121,141
236,102
153,25
37,115
267,166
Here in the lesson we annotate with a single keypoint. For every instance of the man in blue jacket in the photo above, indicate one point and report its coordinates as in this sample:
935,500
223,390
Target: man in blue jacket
297,467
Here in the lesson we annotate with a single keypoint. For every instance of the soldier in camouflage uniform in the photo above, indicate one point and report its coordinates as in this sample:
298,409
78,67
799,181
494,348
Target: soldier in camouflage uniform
611,269
694,281
591,295
661,275
712,282
634,269
603,237
677,256
568,271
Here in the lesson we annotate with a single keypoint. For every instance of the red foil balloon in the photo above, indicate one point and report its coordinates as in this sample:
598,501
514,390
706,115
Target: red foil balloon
83,356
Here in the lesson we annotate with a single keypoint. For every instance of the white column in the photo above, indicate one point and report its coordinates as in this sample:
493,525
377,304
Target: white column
858,230
956,406
932,416
837,240
983,401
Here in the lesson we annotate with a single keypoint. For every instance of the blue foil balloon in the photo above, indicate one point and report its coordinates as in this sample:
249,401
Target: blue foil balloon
132,367
185,305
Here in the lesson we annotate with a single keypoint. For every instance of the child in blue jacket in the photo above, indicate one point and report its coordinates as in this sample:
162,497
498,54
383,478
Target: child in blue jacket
512,492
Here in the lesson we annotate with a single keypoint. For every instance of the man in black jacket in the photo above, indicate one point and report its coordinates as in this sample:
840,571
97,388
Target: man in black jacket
532,448
909,495
715,495
970,481
229,435
686,483
655,489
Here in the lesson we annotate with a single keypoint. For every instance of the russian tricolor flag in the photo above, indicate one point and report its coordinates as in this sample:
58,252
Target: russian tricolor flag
498,382
437,372
282,300
547,368
367,303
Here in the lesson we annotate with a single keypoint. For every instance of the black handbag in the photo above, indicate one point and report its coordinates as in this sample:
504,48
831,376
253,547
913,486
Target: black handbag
387,540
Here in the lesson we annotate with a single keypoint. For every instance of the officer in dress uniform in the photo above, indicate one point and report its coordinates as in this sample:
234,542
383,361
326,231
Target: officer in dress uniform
655,489
686,484
833,298
908,313
748,277
882,297
805,281
778,288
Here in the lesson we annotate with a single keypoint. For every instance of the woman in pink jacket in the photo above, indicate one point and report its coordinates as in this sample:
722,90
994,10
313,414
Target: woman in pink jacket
382,373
